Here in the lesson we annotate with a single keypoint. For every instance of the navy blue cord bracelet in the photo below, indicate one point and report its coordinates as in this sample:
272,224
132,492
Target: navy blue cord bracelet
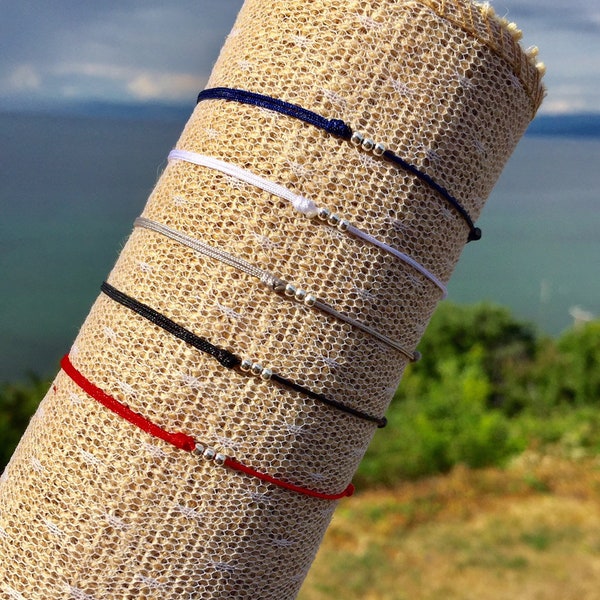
340,129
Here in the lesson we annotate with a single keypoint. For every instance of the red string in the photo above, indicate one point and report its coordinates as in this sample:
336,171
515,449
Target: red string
181,440
237,466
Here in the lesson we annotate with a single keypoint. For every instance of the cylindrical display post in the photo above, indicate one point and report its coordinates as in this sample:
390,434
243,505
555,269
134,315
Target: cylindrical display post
266,304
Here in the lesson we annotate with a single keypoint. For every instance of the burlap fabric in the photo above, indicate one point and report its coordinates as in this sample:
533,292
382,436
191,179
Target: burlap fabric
92,507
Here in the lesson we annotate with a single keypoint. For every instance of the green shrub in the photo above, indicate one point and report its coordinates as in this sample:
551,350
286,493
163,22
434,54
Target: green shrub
509,347
450,423
486,388
18,402
580,366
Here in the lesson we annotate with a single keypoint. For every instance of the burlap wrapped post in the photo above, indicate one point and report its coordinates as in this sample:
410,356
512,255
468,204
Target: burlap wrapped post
90,506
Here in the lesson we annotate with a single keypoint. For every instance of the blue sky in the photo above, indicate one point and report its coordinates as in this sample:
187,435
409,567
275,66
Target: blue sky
66,51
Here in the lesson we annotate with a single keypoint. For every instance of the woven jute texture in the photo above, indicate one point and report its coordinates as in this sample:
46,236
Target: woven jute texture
92,507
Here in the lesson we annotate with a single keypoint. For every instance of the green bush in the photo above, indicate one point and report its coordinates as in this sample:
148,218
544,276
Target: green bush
486,388
18,402
508,345
450,422
579,372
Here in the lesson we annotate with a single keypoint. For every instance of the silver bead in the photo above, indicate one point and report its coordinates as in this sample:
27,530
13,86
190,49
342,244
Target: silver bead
417,356
209,453
198,449
343,225
257,369
266,374
246,365
324,214
220,459
300,295
368,144
379,149
290,290
334,220
357,138
310,300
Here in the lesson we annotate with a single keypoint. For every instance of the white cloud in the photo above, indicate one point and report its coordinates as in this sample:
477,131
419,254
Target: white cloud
127,50
137,83
563,106
94,69
165,86
569,97
22,78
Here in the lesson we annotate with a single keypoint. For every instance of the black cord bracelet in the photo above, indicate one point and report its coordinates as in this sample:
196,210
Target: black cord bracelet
340,129
225,357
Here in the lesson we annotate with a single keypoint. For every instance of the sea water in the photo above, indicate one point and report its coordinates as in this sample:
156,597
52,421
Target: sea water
71,187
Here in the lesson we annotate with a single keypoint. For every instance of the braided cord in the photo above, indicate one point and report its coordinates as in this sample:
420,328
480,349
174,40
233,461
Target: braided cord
335,127
303,205
225,357
215,253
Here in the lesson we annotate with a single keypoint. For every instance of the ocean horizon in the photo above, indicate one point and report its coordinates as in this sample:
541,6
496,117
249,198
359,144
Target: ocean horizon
72,185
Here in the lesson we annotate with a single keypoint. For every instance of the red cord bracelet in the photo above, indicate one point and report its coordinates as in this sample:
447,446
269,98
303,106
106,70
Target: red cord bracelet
184,441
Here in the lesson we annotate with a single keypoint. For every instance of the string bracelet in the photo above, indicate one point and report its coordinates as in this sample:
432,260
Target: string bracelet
339,128
303,205
226,358
183,441
283,288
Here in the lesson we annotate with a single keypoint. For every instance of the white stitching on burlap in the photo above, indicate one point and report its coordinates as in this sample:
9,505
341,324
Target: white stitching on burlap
12,592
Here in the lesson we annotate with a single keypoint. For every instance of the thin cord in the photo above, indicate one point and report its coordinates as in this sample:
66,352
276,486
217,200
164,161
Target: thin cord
335,127
226,358
300,203
342,130
183,441
203,248
303,205
274,283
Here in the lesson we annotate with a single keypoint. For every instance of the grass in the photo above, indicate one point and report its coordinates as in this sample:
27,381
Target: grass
529,531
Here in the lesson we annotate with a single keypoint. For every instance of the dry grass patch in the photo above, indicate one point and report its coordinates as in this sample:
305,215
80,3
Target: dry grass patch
531,531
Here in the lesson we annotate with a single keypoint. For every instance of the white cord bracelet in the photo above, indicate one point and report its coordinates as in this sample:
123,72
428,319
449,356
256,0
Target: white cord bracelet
303,205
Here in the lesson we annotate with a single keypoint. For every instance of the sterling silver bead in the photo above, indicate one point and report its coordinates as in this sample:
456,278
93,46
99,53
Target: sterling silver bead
324,214
334,220
357,138
198,449
209,453
246,365
279,286
290,290
300,295
343,225
220,459
310,300
266,374
257,369
368,144
379,149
